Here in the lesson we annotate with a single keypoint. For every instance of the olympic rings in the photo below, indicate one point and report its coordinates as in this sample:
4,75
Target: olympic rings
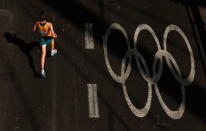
153,78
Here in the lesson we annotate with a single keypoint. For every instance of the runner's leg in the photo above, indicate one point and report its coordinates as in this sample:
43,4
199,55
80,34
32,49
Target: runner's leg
53,50
43,56
52,45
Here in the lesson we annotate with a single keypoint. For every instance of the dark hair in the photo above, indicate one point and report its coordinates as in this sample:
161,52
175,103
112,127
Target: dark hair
43,16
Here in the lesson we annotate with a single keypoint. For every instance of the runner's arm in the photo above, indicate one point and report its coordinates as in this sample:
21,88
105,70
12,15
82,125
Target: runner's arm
52,30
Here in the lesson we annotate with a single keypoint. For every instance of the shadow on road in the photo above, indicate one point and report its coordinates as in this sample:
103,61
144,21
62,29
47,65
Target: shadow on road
198,25
25,48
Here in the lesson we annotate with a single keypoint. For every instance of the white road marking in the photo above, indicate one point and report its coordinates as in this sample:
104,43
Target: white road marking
89,41
151,78
93,101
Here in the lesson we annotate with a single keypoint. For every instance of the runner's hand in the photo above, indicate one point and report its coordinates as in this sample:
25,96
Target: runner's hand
55,35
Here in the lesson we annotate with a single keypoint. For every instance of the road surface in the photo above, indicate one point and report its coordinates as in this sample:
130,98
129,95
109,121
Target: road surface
135,65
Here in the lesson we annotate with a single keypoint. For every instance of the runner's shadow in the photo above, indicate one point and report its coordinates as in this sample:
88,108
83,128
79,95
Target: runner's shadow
26,48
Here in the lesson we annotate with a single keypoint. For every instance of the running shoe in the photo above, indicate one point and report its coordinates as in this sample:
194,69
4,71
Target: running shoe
53,52
43,74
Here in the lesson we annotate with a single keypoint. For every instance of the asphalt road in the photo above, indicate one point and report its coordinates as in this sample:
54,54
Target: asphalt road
100,80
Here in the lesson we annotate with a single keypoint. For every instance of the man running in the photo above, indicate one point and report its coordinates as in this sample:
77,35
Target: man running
47,35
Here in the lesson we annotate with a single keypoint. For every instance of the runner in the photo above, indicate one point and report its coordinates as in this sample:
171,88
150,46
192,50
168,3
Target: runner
47,35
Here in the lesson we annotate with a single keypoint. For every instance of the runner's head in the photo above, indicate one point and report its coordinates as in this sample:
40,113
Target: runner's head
43,16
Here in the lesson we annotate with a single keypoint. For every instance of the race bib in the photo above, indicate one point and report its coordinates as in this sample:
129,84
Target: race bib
42,32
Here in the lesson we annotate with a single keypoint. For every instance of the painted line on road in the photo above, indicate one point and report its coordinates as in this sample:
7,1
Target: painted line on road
93,101
89,41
